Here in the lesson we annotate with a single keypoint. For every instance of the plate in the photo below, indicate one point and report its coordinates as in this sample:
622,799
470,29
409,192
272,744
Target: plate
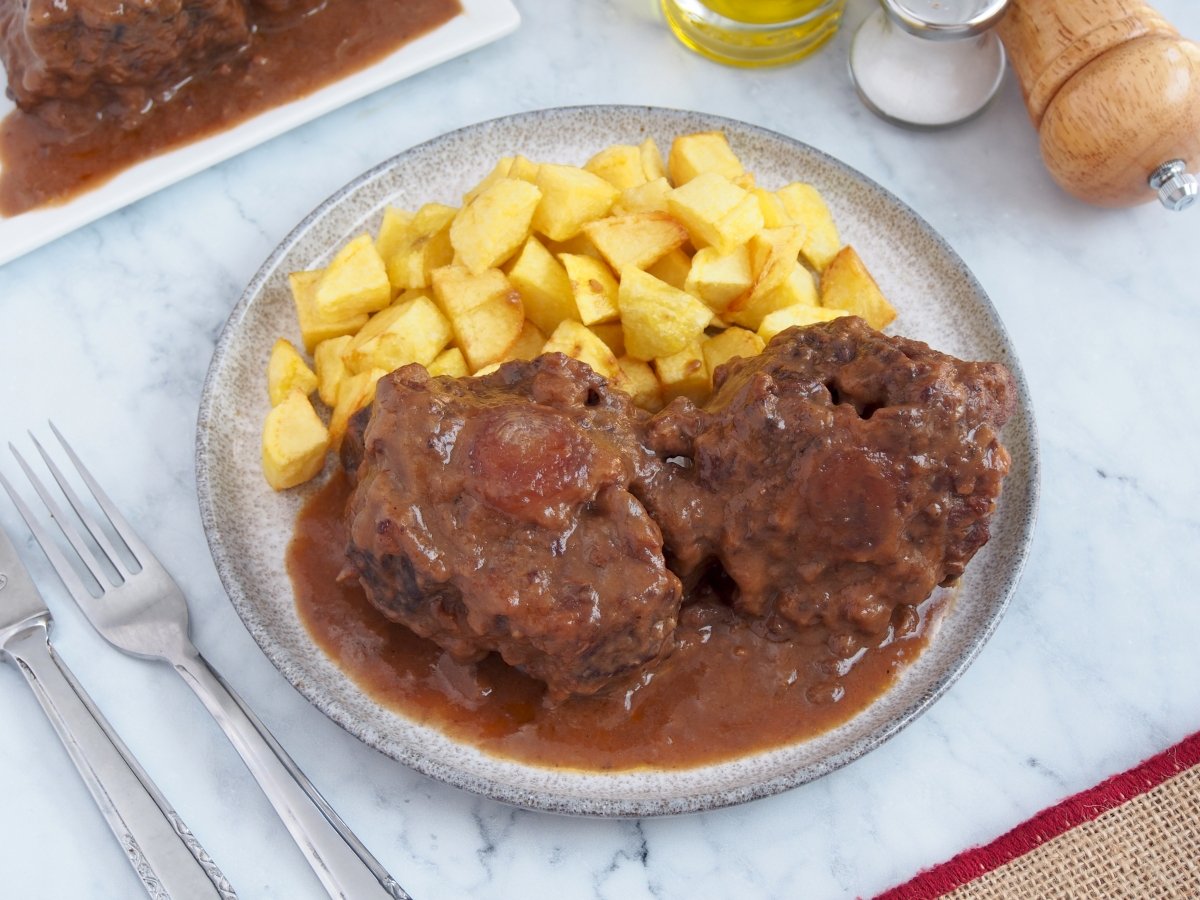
248,525
481,22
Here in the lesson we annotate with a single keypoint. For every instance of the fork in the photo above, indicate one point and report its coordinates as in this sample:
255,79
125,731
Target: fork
140,610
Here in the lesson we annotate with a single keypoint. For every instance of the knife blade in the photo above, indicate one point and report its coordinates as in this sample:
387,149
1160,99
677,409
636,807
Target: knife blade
170,862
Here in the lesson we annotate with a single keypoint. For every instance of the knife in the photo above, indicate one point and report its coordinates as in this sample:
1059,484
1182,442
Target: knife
165,855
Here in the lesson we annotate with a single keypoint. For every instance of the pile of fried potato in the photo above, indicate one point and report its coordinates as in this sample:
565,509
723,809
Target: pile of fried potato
653,274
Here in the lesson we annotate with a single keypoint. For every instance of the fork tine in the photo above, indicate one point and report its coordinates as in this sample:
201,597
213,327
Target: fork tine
140,551
89,522
58,561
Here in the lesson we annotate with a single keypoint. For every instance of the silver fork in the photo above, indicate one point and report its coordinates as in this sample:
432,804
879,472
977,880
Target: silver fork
141,610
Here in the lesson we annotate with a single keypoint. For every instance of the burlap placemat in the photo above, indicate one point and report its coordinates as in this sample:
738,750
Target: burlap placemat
1137,835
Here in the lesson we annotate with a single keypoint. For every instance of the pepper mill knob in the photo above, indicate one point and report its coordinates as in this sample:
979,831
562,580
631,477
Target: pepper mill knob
1114,92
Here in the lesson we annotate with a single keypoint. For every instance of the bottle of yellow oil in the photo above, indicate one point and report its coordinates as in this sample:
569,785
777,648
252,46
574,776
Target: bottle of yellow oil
754,32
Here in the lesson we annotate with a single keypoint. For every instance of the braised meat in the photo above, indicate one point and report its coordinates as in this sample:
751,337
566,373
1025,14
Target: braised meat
836,477
495,514
112,58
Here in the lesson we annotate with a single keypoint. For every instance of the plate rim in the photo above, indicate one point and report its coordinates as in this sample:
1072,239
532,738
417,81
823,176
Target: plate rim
635,807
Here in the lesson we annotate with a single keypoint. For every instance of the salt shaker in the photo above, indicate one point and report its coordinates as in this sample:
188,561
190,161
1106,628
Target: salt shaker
929,63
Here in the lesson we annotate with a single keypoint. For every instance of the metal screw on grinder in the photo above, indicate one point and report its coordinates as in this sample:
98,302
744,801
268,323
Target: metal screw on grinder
1177,188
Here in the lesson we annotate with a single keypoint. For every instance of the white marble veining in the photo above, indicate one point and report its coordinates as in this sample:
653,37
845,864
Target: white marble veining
110,329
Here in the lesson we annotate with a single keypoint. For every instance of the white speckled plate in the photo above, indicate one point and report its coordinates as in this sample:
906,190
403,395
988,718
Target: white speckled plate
249,526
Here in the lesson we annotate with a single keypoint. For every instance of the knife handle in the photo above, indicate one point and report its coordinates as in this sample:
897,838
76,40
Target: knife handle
165,855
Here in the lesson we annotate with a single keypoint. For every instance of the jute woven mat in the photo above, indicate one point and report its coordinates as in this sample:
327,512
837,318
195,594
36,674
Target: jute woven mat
1137,835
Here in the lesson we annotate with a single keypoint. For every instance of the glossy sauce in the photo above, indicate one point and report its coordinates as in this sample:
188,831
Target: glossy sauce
725,691
41,164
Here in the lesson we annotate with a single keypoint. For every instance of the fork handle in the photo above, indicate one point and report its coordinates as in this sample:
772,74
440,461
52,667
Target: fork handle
165,855
345,867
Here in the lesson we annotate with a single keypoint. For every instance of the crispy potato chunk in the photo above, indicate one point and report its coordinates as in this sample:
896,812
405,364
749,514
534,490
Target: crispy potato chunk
528,345
287,371
330,367
501,170
652,161
730,343
450,362
570,197
658,319
593,287
393,232
684,374
706,151
799,314
355,282
716,212
425,247
414,331
485,332
644,198
315,327
779,280
456,290
544,285
806,208
638,239
846,284
620,165
494,225
573,339
641,383
719,278
355,392
294,443
672,268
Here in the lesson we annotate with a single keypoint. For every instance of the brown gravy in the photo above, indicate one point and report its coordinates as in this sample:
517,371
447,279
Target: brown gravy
40,165
724,692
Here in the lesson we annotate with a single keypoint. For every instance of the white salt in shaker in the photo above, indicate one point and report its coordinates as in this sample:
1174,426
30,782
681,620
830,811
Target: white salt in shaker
929,63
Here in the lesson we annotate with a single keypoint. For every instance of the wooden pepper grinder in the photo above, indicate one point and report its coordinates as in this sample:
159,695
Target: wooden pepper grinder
1114,92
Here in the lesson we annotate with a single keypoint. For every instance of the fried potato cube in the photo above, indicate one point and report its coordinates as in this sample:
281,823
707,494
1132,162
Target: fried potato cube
620,165
393,232
330,367
780,279
716,212
501,170
355,392
571,196
287,371
450,362
673,268
491,228
799,314
525,169
652,161
574,340
544,285
846,284
807,208
355,282
641,383
684,374
457,291
732,342
613,334
638,239
426,247
485,332
294,443
643,198
414,331
719,278
594,288
529,343
315,327
706,151
658,319
774,214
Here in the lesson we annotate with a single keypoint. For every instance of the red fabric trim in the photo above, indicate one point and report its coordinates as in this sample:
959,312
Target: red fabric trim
1050,823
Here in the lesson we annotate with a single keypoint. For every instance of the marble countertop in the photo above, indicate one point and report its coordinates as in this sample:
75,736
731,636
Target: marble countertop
110,330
